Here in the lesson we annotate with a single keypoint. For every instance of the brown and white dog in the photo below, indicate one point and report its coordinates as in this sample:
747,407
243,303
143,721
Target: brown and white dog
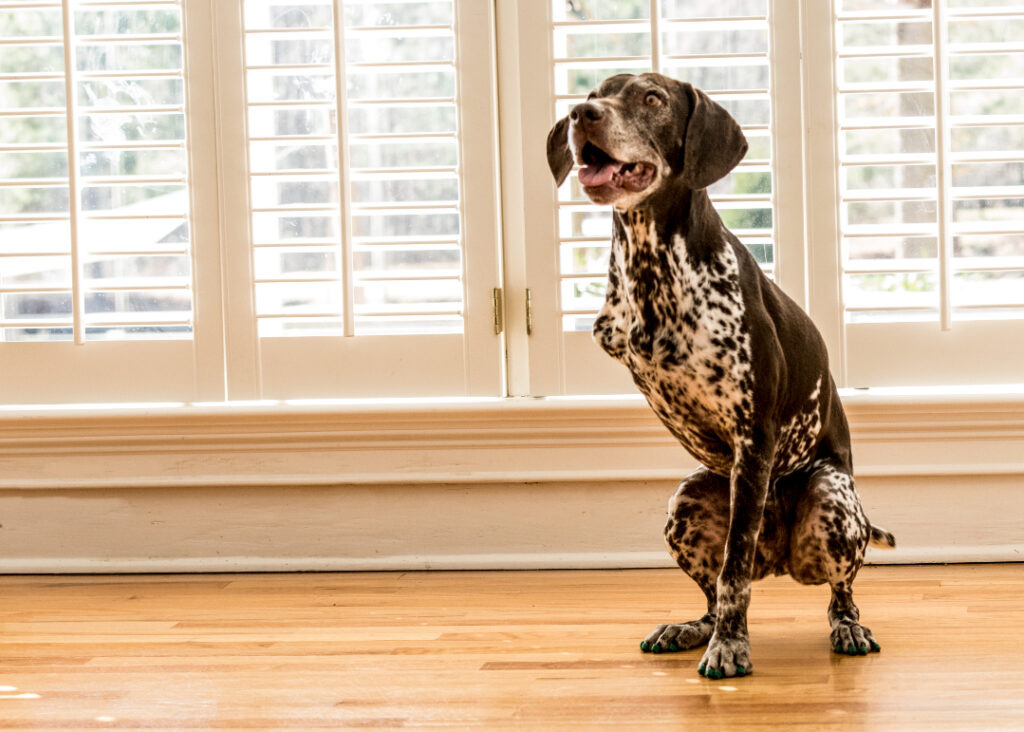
735,369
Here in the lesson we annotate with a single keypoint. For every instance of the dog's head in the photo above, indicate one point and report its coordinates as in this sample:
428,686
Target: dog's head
635,133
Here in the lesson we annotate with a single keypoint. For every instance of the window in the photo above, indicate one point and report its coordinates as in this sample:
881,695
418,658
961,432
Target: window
733,51
336,264
262,199
722,48
931,189
94,175
371,231
95,232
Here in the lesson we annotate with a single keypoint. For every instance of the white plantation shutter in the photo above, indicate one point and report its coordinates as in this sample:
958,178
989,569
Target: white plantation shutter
724,48
931,190
360,132
96,239
263,199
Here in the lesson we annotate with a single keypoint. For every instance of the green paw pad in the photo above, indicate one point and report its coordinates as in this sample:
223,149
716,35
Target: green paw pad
702,669
740,671
875,647
673,646
645,646
656,648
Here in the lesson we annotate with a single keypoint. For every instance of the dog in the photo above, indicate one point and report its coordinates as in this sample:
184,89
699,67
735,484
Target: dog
731,365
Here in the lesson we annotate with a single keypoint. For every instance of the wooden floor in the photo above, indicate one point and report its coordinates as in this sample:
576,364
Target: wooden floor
494,651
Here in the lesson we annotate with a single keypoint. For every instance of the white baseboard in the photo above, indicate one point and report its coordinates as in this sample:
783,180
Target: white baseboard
515,484
584,525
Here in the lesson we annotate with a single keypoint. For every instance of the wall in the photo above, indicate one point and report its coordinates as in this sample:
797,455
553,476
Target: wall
451,485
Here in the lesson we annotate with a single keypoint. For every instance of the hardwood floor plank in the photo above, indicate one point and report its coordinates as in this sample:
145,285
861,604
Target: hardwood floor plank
499,651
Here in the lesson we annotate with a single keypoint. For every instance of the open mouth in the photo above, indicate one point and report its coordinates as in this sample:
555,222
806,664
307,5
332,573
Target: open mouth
601,169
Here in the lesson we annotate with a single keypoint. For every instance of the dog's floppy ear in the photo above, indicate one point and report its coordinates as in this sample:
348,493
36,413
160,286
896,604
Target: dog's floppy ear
713,143
559,157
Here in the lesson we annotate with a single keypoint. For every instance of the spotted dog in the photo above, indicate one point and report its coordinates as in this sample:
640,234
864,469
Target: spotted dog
734,369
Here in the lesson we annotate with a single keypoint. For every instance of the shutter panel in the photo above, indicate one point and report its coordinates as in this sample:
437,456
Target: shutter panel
95,231
723,48
931,190
360,202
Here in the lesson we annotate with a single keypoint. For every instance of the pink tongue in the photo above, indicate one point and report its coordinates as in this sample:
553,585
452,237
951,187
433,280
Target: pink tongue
593,175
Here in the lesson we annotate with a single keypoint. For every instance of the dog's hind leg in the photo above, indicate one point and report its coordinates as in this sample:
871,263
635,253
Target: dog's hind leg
830,536
698,522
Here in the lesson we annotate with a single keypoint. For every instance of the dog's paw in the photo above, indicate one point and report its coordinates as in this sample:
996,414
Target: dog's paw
681,637
853,639
726,657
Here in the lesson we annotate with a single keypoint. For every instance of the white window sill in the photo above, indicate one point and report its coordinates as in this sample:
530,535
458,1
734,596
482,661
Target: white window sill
966,430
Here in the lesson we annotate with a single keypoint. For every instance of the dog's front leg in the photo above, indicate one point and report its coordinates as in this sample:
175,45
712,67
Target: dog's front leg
728,652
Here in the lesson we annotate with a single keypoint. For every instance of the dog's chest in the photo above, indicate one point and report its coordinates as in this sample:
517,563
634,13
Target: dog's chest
679,327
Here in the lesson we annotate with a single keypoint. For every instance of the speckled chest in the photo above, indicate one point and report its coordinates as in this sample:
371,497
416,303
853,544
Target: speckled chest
678,325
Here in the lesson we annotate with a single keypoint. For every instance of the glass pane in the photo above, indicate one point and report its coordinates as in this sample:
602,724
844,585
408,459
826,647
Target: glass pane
136,234
28,271
601,10
33,165
44,307
285,262
885,142
720,40
130,57
127,92
385,46
138,162
407,12
116,21
888,248
855,5
260,14
989,289
127,126
1006,246
880,34
36,95
891,291
384,261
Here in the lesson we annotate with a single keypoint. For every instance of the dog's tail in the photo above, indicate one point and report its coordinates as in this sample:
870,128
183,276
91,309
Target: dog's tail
881,538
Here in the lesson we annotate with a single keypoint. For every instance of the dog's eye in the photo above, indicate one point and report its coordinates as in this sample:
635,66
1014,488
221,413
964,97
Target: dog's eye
652,99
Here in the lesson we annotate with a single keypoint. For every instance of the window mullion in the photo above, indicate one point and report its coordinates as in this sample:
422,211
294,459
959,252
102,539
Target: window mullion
944,166
787,100
242,376
74,192
344,178
821,180
207,249
656,36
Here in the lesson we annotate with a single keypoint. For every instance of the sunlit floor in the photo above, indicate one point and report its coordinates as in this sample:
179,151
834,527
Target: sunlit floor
529,650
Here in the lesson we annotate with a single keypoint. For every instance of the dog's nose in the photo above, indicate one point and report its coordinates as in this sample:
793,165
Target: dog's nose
588,111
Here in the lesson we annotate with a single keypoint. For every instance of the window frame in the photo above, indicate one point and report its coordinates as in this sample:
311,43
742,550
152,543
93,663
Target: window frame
881,354
517,225
550,361
173,369
385,366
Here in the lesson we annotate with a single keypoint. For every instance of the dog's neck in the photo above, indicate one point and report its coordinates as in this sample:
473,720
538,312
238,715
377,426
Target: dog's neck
671,212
